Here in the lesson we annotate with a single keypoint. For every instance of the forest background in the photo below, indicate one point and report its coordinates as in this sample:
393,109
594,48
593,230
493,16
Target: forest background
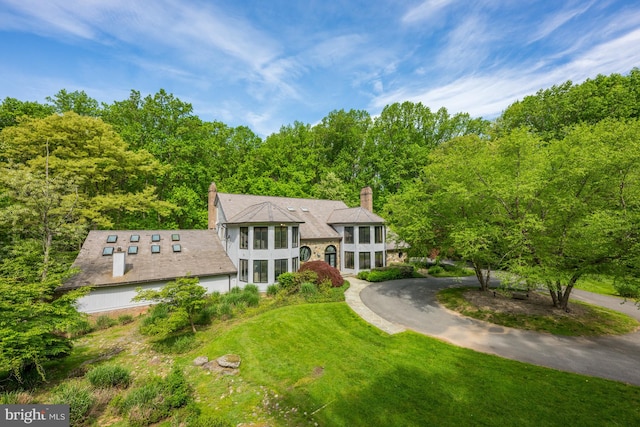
549,191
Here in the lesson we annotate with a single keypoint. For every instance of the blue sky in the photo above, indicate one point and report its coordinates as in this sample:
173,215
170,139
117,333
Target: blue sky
268,63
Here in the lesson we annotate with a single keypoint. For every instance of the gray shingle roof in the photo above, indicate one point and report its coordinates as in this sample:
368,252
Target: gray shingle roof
265,212
201,254
313,212
354,216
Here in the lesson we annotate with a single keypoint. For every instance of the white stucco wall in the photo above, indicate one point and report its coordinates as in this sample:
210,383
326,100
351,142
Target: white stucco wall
119,297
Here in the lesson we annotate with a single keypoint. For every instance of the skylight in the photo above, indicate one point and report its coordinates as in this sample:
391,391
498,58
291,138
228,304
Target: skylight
112,238
291,209
176,247
155,237
175,237
108,250
305,209
155,249
132,250
134,238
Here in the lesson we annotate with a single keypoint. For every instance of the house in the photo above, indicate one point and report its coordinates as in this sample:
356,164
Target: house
251,239
116,262
265,236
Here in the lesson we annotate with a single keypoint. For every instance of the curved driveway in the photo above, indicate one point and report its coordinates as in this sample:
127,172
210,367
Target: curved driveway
411,303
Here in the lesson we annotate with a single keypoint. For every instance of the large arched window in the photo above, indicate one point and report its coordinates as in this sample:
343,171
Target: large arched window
330,255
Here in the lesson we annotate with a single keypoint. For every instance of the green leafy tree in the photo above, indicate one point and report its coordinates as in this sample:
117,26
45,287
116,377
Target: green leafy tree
184,298
77,101
110,182
12,109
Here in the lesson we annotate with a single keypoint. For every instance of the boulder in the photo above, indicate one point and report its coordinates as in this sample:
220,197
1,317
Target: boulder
229,361
200,360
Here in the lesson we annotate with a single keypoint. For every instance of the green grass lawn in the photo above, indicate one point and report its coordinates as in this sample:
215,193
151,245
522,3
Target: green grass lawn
322,364
597,284
595,321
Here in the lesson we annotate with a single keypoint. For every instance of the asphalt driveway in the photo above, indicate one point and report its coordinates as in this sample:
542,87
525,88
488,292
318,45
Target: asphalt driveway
411,303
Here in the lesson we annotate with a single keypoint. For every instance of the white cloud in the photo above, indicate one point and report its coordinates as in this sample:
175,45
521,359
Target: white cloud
489,94
428,10
557,20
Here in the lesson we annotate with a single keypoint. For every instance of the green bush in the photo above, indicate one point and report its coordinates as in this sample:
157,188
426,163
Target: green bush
225,309
288,282
80,328
155,400
106,376
251,299
627,289
308,289
125,319
272,290
251,289
104,322
363,275
435,270
79,398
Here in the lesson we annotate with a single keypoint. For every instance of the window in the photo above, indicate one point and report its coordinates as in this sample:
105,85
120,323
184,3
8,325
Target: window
378,233
112,238
244,237
280,266
295,238
364,235
380,259
155,249
365,260
155,237
244,270
260,271
175,237
176,247
348,234
135,238
295,264
349,260
107,251
132,250
260,238
281,237
330,255
305,253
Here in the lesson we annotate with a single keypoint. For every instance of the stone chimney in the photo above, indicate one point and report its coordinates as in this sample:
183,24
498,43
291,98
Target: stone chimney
213,211
366,199
119,263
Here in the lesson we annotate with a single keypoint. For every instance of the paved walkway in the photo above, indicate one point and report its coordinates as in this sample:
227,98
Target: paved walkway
410,304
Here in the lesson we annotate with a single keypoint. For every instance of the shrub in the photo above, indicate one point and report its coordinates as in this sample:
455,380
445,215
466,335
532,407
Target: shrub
251,299
363,275
272,290
225,309
435,269
252,289
104,322
324,271
308,289
626,288
80,328
155,399
78,397
106,376
125,319
206,314
288,282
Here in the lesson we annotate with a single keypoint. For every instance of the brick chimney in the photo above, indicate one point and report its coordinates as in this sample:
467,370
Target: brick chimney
366,199
213,211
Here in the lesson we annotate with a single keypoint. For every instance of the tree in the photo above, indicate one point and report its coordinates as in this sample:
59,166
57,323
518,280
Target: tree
548,212
78,102
110,182
400,140
33,320
11,110
183,298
